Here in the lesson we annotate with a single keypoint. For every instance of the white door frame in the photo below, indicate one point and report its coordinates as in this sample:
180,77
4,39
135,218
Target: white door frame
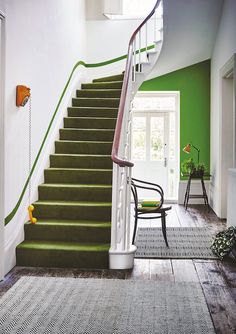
2,141
227,136
176,94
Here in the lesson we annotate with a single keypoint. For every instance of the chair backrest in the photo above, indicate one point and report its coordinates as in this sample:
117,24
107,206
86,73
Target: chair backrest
154,188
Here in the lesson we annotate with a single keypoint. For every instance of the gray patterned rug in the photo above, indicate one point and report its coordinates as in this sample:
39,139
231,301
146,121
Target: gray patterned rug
45,305
184,243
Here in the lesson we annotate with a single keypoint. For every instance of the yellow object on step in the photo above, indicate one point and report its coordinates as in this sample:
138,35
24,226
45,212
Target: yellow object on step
32,219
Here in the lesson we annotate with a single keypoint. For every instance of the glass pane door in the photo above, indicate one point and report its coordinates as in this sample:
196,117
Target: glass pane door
150,147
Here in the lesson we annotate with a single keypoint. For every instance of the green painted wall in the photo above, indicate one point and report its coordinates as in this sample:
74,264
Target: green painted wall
193,82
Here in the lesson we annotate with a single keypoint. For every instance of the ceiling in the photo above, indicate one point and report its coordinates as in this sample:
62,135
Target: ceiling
190,29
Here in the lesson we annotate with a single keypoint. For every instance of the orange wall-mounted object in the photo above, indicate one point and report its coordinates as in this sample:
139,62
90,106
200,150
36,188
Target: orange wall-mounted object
22,95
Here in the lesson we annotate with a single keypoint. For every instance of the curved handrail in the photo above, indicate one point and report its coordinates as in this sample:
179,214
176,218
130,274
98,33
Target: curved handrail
116,141
10,216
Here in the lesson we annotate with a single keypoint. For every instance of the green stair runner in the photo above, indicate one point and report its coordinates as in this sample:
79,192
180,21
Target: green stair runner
74,206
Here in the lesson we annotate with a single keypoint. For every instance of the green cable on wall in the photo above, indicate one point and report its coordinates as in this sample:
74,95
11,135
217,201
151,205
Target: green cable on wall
79,63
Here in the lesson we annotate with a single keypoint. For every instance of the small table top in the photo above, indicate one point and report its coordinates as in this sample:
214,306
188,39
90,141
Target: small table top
195,175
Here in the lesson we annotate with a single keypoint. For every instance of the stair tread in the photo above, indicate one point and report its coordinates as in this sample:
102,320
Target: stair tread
93,118
72,203
83,141
88,223
66,246
69,185
100,90
82,155
79,169
115,77
94,108
96,98
102,82
86,129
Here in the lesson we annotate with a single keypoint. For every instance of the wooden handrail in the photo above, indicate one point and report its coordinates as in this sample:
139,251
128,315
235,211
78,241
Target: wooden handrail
116,141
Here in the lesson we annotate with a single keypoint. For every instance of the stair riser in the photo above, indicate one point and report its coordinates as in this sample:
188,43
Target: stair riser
80,162
78,177
98,93
99,102
106,85
53,211
83,148
61,259
67,233
92,112
89,123
74,194
69,134
118,77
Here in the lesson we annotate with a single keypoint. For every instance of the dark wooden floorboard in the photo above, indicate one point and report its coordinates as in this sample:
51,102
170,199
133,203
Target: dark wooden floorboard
217,278
219,296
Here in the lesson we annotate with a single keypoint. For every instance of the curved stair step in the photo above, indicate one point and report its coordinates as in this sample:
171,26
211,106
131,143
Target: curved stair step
103,85
117,77
39,253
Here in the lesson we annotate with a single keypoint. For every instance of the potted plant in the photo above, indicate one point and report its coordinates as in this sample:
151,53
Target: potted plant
200,170
188,166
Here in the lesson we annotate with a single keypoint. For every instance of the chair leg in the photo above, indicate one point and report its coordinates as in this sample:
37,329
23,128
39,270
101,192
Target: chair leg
135,226
163,227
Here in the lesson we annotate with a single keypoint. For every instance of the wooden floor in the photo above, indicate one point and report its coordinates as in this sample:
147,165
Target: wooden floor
218,279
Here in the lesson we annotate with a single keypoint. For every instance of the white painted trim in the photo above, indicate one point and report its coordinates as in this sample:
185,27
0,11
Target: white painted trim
231,207
229,67
196,189
2,143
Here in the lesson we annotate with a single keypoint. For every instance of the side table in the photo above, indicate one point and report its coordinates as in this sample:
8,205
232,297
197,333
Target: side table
188,195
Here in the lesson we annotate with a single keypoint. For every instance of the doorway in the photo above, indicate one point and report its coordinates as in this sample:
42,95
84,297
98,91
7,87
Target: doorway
1,146
154,148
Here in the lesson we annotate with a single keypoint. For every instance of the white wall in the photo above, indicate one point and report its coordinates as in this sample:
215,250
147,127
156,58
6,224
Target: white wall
1,142
190,28
43,42
225,47
108,39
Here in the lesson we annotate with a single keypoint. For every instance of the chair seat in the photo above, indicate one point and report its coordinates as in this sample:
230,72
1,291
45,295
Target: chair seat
153,209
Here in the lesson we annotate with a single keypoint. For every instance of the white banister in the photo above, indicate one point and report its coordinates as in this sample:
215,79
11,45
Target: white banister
121,253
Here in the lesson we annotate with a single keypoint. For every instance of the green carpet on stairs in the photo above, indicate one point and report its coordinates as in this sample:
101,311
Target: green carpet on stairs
74,206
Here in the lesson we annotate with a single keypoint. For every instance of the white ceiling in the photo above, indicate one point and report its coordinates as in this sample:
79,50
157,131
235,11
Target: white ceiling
190,29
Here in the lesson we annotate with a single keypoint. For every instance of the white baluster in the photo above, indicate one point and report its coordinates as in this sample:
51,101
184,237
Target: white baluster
155,25
140,46
146,39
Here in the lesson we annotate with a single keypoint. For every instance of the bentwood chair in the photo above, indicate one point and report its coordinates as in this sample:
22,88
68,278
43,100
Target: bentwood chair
156,212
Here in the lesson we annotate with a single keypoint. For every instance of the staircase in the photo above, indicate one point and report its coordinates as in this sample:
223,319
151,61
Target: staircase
74,205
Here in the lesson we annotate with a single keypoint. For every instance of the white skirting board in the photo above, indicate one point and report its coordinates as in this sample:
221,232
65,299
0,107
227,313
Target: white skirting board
196,189
231,207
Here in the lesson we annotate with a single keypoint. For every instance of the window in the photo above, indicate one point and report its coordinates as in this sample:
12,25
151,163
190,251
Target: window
129,9
139,138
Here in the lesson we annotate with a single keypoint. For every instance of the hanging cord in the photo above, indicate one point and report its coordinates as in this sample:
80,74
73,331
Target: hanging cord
30,144
30,207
